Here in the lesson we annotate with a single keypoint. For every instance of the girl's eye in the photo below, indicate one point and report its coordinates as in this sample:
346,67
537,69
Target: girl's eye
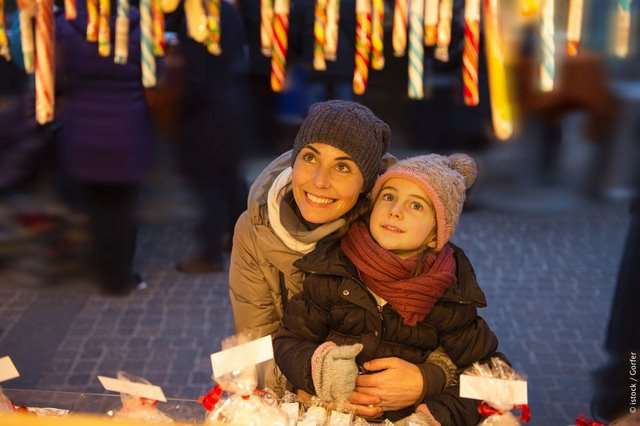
416,206
343,168
308,157
387,197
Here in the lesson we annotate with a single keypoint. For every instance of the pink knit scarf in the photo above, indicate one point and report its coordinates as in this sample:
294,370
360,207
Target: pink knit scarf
391,277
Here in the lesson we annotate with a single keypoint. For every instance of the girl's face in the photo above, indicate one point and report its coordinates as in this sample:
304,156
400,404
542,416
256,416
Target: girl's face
403,220
326,182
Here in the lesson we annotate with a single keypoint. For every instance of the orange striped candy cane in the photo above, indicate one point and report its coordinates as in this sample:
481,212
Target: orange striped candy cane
266,26
319,27
45,95
157,17
104,32
471,52
280,43
377,35
4,41
363,46
399,31
92,20
213,26
431,22
70,10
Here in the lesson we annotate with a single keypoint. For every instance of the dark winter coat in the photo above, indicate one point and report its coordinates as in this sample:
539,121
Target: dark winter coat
335,305
106,133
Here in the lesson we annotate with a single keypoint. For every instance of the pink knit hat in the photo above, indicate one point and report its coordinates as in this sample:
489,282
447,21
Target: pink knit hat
444,180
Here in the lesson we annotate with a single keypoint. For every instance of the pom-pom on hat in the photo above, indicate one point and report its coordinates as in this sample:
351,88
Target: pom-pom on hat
351,127
444,179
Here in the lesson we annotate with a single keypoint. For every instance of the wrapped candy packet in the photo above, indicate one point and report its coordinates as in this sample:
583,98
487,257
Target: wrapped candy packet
239,403
138,408
502,392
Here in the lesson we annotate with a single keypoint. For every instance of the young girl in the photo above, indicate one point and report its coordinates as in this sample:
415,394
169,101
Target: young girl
394,287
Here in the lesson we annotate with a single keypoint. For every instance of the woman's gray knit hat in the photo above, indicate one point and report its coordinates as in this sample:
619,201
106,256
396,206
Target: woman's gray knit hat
348,126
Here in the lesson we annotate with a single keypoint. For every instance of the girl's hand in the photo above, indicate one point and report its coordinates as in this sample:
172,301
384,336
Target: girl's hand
398,383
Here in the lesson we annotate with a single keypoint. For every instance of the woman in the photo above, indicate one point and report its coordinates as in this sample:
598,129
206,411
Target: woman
310,193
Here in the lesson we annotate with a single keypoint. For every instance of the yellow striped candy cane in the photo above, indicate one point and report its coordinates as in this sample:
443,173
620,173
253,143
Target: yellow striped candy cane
319,25
331,33
70,9
4,41
280,44
444,30
399,31
104,32
266,26
92,20
213,25
363,46
377,35
121,52
431,11
574,28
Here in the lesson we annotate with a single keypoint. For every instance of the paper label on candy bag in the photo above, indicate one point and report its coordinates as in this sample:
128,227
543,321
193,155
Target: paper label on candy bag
488,389
242,356
340,419
135,389
8,371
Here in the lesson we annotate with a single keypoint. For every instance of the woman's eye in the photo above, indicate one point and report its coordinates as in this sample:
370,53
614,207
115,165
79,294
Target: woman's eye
416,206
308,157
387,197
343,168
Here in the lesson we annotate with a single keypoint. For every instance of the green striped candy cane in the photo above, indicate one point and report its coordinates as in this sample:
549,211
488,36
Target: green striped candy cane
148,61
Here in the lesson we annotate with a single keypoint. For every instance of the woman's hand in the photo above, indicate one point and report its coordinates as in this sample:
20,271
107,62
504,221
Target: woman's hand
398,384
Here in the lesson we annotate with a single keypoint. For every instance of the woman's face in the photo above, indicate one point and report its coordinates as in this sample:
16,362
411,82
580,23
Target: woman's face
403,219
326,182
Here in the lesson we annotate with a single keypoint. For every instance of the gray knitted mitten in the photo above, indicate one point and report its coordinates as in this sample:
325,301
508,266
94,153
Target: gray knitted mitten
334,370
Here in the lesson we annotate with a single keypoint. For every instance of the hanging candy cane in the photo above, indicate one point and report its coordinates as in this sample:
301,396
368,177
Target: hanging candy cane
92,20
501,113
26,40
70,10
266,26
416,49
280,44
363,46
623,25
548,65
377,35
45,62
196,20
399,31
4,41
319,24
148,60
157,19
574,28
431,22
121,52
331,33
471,52
104,32
212,40
444,30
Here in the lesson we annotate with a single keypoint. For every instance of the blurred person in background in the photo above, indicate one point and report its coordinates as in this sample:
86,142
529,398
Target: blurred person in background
214,135
105,143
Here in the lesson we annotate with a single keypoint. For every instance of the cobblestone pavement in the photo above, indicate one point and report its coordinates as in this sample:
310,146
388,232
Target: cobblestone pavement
549,281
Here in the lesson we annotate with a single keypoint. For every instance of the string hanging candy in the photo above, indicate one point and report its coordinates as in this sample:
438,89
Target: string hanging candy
280,45
319,25
70,10
266,26
377,35
501,113
4,41
363,46
213,25
331,32
92,20
157,18
444,30
45,60
431,11
471,52
104,32
148,60
399,31
121,52
548,65
416,49
574,27
623,25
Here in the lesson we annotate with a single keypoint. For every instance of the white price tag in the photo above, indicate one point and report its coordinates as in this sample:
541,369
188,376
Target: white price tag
135,389
8,371
487,388
242,356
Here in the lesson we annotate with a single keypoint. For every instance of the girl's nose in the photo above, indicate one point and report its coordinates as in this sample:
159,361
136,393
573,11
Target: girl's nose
395,210
321,178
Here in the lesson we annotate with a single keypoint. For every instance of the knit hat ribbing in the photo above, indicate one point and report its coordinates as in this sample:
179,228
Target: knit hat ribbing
348,126
444,180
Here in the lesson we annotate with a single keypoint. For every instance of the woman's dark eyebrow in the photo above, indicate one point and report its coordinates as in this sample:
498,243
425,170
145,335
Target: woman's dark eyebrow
312,149
344,158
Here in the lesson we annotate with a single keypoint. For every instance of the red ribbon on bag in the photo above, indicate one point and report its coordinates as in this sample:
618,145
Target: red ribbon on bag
212,397
583,421
487,410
